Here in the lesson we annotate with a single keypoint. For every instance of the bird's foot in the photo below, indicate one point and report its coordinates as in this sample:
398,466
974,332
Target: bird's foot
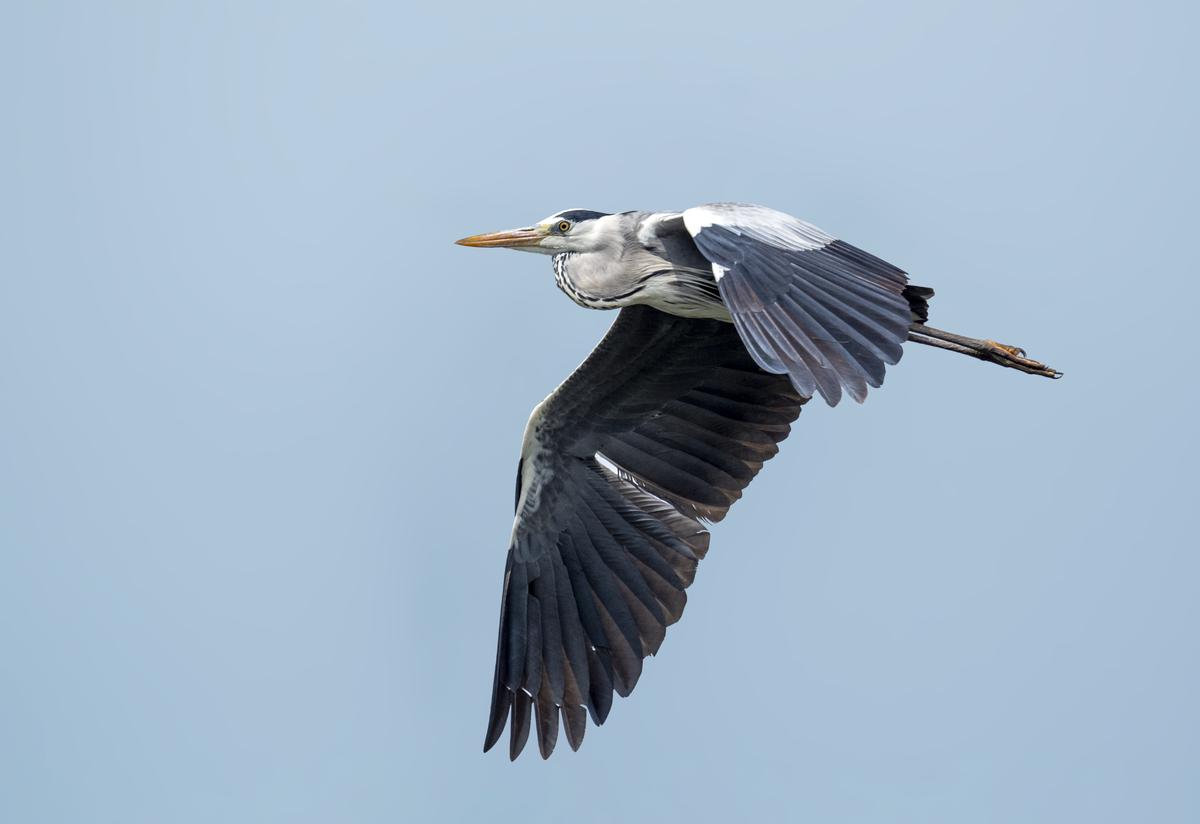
1012,351
1014,358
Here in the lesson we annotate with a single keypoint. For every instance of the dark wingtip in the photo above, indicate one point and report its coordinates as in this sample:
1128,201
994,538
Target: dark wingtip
522,711
498,717
546,718
574,724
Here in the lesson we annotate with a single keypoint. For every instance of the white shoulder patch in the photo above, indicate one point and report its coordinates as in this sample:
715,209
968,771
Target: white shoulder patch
698,218
758,222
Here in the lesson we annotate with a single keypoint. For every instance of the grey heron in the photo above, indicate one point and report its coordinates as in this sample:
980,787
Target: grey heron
732,316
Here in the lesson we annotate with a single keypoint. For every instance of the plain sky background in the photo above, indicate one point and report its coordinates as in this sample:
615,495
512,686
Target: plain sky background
259,417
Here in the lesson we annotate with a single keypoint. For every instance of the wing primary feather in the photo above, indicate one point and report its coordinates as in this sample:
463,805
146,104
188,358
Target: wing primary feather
589,614
501,701
600,669
600,694
574,724
516,610
573,712
519,732
532,680
545,591
626,662
637,544
547,719
574,638
607,530
501,695
615,556
668,590
604,584
651,622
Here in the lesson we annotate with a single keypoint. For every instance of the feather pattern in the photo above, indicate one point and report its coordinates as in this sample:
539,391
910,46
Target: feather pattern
827,314
659,430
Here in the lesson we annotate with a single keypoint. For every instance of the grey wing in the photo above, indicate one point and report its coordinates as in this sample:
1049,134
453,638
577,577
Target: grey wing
659,430
818,309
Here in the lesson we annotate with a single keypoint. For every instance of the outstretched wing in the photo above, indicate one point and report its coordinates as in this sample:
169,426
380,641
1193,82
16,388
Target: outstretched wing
660,429
806,305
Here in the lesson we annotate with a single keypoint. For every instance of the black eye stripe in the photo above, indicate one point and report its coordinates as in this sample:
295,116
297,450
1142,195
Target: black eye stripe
578,215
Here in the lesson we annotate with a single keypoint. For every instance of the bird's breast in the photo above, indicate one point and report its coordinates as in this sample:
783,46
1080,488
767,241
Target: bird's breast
603,284
586,282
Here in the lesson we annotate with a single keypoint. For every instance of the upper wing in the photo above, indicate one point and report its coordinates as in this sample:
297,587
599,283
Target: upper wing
662,427
818,309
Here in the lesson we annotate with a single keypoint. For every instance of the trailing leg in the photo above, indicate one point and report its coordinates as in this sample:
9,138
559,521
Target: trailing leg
989,350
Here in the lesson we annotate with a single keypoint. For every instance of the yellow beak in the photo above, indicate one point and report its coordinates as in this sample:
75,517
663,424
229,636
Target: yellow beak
512,239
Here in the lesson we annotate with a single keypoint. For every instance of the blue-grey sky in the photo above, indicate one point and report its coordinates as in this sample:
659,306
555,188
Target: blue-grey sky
260,417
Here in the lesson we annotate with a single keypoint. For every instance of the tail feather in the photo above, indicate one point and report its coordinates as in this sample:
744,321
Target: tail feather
918,301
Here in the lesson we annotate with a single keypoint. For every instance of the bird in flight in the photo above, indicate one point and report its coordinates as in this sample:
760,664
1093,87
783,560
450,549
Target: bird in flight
732,317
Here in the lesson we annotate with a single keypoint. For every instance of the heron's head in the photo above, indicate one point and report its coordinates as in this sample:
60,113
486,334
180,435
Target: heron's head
572,230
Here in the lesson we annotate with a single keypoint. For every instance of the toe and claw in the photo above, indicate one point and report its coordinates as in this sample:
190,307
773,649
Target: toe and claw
1014,358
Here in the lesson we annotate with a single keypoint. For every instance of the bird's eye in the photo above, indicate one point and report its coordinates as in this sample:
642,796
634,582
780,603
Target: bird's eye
564,225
